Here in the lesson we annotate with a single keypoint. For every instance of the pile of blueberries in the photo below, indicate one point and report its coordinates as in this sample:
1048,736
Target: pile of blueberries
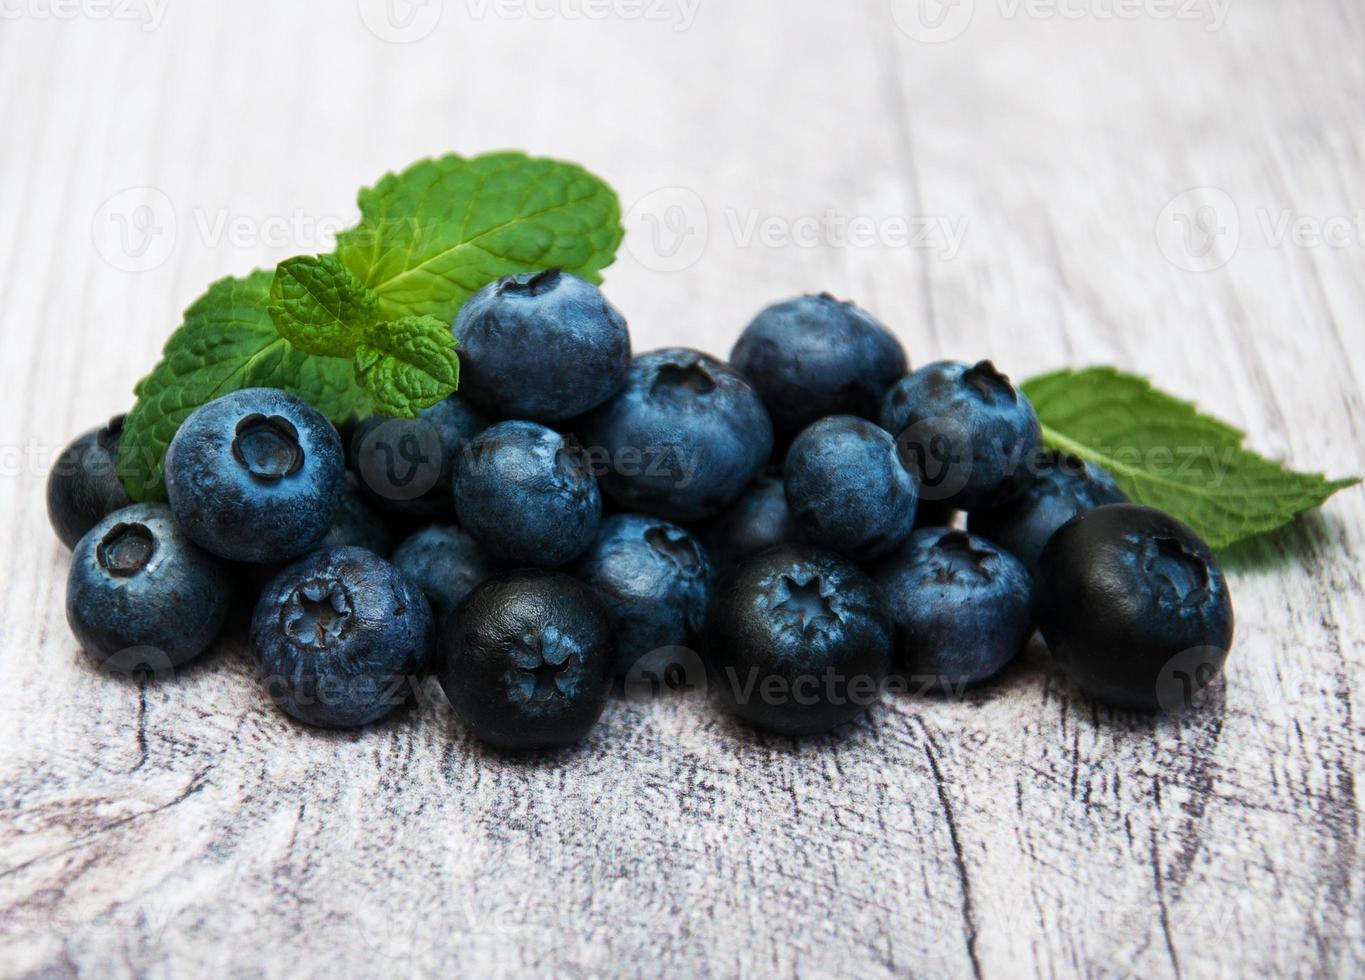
809,525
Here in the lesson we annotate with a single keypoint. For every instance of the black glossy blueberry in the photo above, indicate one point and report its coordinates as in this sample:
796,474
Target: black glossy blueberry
1134,606
527,660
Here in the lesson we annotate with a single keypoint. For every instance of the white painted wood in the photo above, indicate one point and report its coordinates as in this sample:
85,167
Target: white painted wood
187,827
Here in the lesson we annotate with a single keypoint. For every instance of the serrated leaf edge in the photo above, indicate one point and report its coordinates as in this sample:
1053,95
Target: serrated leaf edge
1130,477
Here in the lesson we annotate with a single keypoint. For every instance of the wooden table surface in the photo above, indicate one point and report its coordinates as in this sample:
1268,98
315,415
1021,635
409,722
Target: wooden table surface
1170,186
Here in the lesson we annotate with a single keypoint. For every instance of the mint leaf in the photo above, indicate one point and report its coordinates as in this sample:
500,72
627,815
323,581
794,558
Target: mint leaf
432,235
227,341
1166,454
319,307
407,364
353,332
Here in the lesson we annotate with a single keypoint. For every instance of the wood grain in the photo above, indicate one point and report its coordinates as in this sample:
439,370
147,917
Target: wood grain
186,827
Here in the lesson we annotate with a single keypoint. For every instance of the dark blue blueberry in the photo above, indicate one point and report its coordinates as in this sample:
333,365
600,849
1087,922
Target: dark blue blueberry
655,579
1059,487
255,475
407,466
815,356
526,660
525,494
683,439
356,524
445,563
962,608
545,346
848,488
798,640
966,429
755,522
1134,607
340,638
84,485
142,595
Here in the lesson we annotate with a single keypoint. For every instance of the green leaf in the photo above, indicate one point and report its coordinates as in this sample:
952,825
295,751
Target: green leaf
1165,454
432,235
408,364
352,332
227,341
319,307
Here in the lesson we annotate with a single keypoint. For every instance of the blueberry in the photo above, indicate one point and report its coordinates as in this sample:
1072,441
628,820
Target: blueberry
962,606
525,494
967,430
527,658
255,475
758,520
545,346
84,484
655,579
798,640
445,563
141,594
1058,488
848,488
815,356
340,638
407,466
683,439
356,524
1134,607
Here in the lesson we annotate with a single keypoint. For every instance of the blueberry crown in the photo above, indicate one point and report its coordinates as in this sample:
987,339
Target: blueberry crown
675,545
317,613
268,446
989,383
959,558
807,601
690,377
537,284
1178,571
126,549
